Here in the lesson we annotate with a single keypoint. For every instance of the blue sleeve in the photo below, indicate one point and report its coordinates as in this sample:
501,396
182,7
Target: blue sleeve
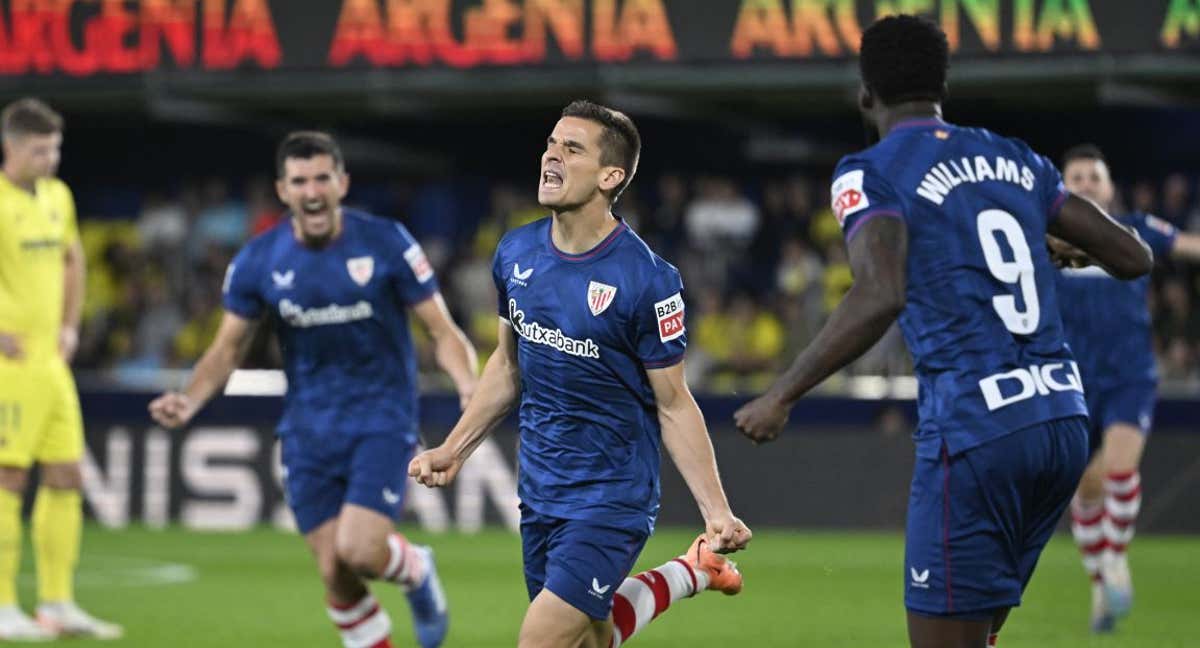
1158,234
413,276
501,287
1052,193
859,194
661,334
240,293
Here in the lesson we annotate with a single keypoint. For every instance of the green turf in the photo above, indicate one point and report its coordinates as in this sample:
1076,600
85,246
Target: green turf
802,589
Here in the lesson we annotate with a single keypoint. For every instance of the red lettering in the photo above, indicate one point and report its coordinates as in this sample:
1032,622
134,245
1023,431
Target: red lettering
563,18
172,21
250,35
359,32
642,26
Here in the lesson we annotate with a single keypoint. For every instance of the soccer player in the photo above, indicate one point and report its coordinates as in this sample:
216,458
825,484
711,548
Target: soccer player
1108,328
41,299
946,229
339,283
591,343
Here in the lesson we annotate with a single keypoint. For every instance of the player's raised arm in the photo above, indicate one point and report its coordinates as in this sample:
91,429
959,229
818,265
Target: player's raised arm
878,252
685,435
454,352
1118,249
174,409
497,391
1186,247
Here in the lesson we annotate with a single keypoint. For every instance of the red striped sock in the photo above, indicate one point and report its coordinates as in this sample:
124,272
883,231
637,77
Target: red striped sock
1122,504
363,624
1088,530
640,599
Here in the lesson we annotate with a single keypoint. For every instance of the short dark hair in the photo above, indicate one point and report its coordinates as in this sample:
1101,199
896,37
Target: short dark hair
620,143
306,145
1083,152
905,58
29,116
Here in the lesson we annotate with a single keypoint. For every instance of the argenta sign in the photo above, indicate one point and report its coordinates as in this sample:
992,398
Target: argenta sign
87,38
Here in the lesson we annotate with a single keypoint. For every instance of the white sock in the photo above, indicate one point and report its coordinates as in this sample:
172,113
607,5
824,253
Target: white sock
363,624
640,599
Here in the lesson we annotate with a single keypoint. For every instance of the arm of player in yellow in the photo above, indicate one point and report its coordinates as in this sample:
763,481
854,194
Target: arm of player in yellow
74,280
453,350
497,392
685,435
226,352
1186,247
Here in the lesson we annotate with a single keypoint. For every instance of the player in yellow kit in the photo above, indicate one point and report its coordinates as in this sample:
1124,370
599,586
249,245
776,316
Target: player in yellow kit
41,296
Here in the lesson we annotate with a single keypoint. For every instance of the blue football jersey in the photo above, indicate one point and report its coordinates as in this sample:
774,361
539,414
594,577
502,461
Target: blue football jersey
588,327
981,319
342,321
1107,321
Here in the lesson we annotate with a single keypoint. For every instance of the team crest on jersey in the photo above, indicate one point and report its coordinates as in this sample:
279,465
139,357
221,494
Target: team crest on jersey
361,269
848,195
600,297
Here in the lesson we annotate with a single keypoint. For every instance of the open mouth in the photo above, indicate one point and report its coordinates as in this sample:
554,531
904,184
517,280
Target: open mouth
551,180
313,207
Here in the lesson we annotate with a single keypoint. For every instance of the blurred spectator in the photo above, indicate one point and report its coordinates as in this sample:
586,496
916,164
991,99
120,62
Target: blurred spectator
221,221
781,261
1144,198
163,223
1176,206
263,205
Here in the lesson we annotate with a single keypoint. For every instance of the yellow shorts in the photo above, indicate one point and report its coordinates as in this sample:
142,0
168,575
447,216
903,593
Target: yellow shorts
39,414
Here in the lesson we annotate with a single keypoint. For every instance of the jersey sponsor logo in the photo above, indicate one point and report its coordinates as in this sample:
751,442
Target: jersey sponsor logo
553,338
419,263
600,296
361,269
301,317
521,276
1008,387
848,195
945,176
283,280
41,244
670,317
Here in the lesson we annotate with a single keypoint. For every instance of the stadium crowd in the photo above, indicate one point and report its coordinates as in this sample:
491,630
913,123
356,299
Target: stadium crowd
763,264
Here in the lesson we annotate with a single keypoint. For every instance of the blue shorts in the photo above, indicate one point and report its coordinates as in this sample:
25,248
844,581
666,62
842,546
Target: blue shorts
978,521
1131,403
581,562
323,471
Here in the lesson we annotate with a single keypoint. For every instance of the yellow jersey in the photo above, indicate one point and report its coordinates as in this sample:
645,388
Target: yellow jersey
36,229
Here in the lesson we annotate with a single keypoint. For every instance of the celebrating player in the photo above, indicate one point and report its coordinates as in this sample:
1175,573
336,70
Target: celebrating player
41,299
338,282
946,229
591,342
1108,327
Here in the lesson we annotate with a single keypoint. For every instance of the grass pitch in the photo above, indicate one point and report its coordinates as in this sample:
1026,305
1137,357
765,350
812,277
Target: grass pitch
187,589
